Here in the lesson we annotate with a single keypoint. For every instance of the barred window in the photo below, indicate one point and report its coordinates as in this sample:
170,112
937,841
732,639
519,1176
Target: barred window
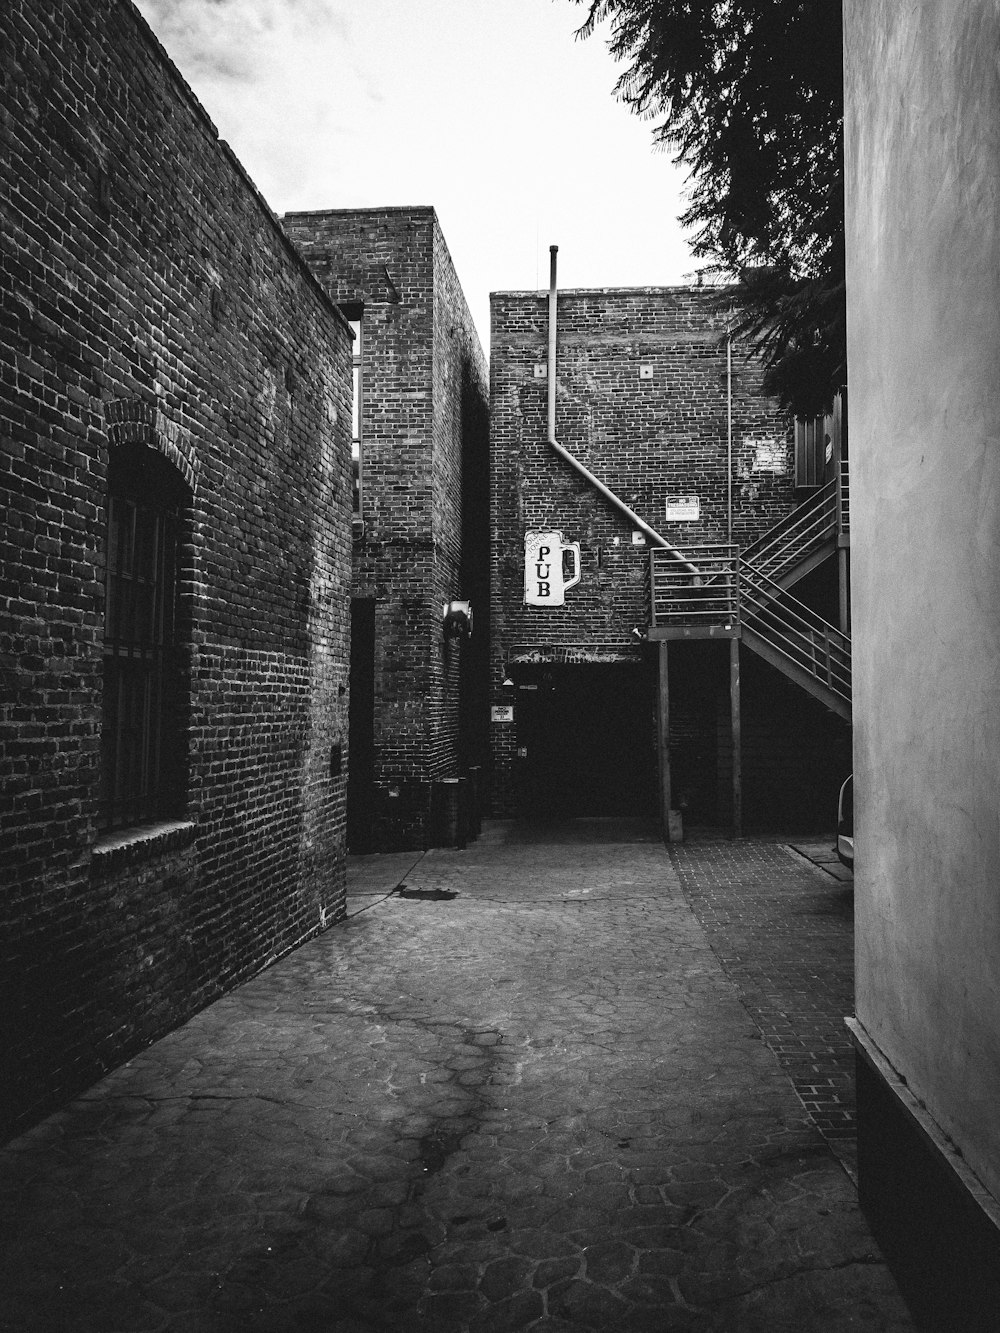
143,740
356,445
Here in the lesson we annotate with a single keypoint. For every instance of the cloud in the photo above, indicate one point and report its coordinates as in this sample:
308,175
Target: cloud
280,79
237,41
487,109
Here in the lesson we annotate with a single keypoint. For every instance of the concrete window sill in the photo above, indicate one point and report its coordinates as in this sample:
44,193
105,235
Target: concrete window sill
126,846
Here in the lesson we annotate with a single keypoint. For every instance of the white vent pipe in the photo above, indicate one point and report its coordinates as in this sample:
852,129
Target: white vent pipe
585,472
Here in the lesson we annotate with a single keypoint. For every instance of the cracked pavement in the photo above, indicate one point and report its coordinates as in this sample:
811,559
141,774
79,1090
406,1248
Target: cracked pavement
537,1104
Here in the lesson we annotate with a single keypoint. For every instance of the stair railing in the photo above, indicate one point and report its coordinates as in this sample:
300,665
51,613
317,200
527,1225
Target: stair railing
701,589
795,536
793,630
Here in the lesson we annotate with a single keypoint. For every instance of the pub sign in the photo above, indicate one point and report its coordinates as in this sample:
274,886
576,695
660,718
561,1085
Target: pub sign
545,576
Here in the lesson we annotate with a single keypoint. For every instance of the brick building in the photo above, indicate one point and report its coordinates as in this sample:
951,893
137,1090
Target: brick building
421,530
663,440
176,411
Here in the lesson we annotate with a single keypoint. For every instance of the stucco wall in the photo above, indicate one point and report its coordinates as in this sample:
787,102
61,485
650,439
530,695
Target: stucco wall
923,219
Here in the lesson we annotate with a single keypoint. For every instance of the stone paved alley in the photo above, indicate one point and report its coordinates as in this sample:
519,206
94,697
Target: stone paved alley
564,1098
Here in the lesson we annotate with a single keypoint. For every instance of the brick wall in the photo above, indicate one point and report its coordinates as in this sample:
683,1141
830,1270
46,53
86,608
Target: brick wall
151,302
641,401
424,496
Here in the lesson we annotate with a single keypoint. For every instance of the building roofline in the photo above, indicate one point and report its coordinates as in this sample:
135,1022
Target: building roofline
189,95
356,212
623,291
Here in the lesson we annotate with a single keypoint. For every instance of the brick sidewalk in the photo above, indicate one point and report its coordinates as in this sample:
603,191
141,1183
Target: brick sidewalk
527,1097
784,933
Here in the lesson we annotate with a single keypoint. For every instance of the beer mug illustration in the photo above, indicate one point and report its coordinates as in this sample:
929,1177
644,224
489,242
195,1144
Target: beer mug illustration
545,580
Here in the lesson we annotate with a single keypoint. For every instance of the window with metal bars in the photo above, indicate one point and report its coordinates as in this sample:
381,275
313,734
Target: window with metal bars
143,735
356,443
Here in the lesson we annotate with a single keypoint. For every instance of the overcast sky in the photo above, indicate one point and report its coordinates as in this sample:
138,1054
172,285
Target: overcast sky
491,110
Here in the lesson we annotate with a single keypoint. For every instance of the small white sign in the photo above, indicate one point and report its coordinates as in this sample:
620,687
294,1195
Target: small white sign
683,508
502,713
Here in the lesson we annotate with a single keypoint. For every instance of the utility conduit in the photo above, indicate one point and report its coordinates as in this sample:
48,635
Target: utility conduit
564,453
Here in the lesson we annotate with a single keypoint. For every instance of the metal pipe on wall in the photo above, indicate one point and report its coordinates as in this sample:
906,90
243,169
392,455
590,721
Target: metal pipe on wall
551,370
585,472
729,435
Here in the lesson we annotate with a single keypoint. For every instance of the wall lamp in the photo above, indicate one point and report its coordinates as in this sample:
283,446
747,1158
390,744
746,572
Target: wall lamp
457,620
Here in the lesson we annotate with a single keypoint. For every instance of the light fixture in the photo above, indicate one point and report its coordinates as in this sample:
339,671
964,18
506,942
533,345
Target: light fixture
457,620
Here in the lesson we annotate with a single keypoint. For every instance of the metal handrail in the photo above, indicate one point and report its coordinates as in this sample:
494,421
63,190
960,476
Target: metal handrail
767,595
702,590
727,589
791,538
795,631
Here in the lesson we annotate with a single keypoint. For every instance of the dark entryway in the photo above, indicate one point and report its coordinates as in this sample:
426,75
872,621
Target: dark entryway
586,738
361,726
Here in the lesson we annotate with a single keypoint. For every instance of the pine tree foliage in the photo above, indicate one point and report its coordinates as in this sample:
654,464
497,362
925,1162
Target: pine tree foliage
748,94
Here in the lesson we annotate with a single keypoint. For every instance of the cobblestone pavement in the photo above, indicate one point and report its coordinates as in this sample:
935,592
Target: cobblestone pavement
784,933
520,1094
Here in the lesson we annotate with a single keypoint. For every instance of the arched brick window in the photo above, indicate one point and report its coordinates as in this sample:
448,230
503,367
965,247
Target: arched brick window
144,726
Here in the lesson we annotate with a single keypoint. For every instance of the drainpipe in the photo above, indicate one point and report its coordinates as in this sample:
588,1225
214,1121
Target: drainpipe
575,463
551,372
729,435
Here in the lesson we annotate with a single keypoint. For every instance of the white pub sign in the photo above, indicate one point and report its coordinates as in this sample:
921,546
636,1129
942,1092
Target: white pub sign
545,577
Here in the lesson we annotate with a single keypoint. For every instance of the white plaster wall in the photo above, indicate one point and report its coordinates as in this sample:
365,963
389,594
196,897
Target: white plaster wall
923,238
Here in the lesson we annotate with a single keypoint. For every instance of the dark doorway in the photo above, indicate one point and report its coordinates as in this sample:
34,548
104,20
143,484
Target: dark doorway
586,738
361,727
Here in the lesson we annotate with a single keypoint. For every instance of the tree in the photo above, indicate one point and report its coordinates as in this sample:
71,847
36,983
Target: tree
749,95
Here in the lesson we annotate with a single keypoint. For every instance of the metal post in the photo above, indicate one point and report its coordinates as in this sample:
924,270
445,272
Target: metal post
734,713
729,434
663,737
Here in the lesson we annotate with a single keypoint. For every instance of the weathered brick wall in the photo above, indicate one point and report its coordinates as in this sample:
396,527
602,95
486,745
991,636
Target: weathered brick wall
424,406
460,478
642,402
152,302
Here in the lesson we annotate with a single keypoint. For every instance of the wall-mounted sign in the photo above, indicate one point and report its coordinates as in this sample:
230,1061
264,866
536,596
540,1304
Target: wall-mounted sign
683,509
502,713
545,578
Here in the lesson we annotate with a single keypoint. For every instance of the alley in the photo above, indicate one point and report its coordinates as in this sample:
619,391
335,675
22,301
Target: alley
558,1081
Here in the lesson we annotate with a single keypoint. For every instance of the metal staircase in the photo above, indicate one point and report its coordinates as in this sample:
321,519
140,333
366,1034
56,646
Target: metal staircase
801,644
805,538
714,590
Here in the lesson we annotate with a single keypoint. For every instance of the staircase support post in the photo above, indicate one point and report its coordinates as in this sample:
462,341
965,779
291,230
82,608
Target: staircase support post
672,831
736,724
